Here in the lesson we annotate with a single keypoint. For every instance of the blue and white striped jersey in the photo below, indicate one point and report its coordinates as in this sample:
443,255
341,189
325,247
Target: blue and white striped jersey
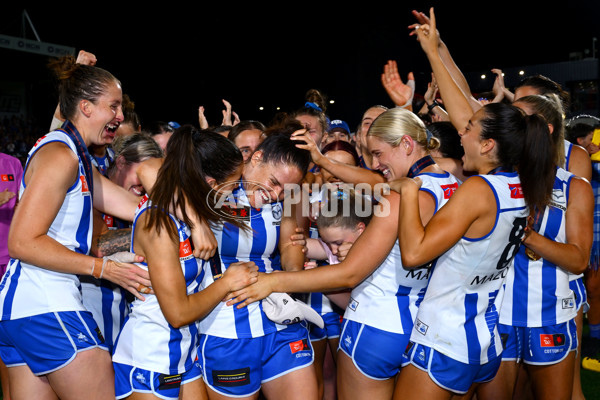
30,290
459,313
147,340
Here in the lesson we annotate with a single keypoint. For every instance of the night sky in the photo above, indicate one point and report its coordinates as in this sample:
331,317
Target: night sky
171,61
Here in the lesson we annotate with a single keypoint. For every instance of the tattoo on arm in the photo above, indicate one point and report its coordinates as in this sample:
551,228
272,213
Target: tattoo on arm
113,241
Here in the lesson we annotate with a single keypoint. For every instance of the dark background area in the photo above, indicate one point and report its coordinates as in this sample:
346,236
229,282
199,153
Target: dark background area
172,59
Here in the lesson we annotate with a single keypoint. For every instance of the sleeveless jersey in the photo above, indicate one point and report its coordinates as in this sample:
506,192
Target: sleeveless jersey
147,340
388,299
568,150
537,292
108,302
260,245
317,300
459,313
28,290
103,162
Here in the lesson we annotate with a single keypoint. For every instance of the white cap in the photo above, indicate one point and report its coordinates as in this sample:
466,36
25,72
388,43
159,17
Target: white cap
283,309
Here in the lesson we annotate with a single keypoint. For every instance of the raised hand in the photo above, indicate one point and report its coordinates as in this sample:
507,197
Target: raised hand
400,93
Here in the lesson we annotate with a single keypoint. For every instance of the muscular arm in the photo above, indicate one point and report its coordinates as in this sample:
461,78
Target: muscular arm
460,216
368,252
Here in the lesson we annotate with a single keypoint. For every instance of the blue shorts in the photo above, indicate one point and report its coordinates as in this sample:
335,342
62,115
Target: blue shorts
448,373
545,345
129,379
578,288
48,342
373,351
238,367
332,328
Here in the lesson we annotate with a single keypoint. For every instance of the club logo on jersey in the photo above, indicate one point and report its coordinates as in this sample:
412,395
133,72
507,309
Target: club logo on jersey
549,340
299,345
421,327
449,189
276,211
7,177
516,192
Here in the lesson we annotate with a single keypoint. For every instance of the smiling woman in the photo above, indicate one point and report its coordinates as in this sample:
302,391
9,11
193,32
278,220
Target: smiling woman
49,243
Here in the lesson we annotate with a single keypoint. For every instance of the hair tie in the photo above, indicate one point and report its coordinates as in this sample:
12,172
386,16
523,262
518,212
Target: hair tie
429,134
309,104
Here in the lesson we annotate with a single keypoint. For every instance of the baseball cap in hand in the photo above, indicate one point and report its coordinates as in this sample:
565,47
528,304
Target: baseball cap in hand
283,309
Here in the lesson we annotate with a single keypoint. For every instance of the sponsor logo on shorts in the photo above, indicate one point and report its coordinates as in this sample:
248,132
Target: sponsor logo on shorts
166,382
421,327
409,347
232,377
7,177
552,340
299,345
99,334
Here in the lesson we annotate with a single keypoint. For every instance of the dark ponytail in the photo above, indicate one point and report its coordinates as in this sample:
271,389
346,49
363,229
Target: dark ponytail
524,143
537,167
191,157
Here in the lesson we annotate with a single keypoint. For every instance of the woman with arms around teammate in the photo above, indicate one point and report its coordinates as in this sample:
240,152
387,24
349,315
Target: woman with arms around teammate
455,345
385,295
49,243
166,322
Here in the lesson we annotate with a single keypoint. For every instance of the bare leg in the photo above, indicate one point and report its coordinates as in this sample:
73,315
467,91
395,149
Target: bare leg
4,381
89,376
553,381
24,385
503,385
330,370
319,350
577,389
415,384
297,385
352,384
